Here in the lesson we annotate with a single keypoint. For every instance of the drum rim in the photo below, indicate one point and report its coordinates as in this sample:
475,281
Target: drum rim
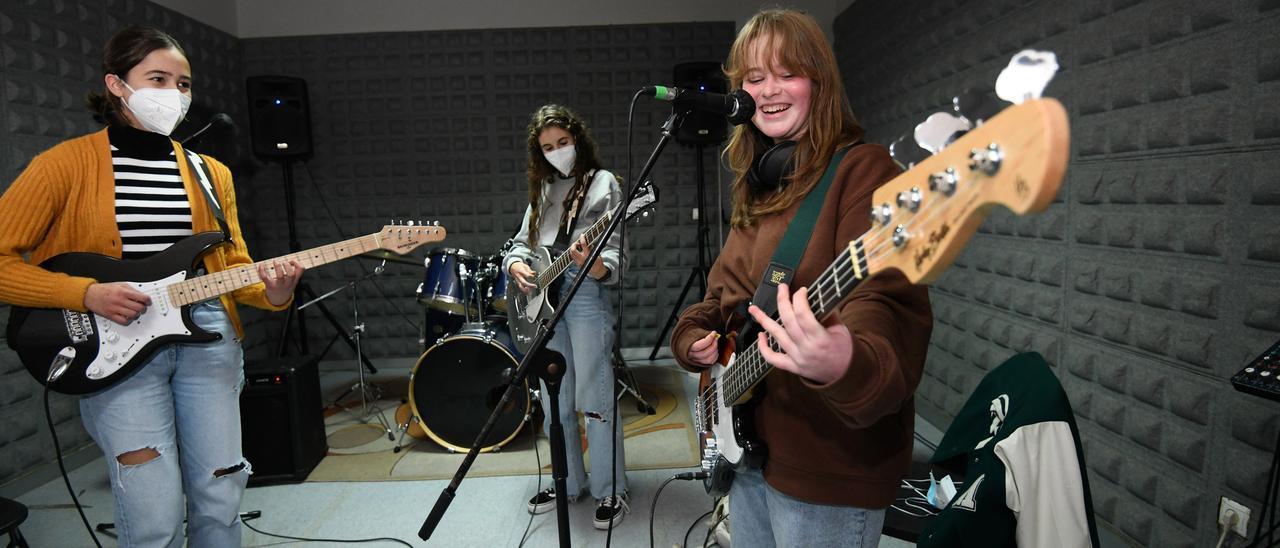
445,250
413,406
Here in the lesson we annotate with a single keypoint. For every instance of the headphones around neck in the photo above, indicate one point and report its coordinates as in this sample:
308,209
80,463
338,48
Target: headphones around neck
771,167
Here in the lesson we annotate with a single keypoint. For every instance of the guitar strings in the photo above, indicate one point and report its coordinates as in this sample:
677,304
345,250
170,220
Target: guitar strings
875,245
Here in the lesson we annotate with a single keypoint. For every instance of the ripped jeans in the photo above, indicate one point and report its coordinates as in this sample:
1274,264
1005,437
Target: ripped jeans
585,337
184,405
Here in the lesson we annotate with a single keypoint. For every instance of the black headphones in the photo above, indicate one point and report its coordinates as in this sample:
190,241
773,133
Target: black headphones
771,167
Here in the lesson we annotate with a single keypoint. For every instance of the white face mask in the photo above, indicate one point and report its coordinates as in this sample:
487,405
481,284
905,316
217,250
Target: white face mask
562,159
158,110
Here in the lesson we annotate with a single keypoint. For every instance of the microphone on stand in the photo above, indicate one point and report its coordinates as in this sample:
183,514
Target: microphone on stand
220,119
738,105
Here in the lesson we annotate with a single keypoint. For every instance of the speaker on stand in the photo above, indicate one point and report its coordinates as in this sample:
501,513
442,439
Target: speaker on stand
699,129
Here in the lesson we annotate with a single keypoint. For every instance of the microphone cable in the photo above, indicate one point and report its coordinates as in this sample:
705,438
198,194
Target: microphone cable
57,449
533,433
613,434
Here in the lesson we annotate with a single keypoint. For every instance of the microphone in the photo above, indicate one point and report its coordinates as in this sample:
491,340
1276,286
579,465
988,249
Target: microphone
738,106
220,119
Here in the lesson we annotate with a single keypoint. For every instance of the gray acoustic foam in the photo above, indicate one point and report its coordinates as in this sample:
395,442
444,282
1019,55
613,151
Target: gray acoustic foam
50,54
432,126
1153,276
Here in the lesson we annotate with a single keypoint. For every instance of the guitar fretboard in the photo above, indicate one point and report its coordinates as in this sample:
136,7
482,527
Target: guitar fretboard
562,262
827,291
203,288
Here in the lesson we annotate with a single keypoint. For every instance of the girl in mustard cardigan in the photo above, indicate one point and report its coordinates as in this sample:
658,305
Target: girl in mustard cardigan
172,428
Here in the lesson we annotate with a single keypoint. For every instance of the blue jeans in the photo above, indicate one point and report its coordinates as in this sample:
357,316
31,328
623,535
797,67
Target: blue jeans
585,337
184,404
759,515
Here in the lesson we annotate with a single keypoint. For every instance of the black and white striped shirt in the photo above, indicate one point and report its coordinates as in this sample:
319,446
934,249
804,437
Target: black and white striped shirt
152,209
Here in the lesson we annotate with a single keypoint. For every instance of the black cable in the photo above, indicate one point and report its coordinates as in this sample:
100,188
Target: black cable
695,523
653,508
345,541
613,434
712,529
57,449
538,459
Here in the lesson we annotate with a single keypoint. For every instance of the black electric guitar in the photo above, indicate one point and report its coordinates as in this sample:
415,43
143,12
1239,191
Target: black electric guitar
526,311
920,221
95,352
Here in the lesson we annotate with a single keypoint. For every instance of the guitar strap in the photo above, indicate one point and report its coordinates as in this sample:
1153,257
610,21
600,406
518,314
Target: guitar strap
196,164
570,223
786,257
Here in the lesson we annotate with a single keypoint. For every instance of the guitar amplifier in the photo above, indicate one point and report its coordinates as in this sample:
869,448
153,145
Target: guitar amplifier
282,418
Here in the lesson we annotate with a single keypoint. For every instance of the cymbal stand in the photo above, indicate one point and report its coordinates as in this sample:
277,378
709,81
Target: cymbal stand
369,394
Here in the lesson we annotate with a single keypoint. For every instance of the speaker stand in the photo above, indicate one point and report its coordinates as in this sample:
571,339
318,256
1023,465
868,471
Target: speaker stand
699,272
303,291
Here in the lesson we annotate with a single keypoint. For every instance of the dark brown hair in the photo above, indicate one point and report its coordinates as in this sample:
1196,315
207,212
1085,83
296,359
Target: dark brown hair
793,40
123,51
540,170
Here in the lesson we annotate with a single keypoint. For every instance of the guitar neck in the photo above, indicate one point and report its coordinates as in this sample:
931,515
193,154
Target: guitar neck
209,286
825,294
563,261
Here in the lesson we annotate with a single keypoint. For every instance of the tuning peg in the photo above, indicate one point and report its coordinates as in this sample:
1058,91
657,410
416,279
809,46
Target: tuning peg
978,104
939,129
906,152
1028,73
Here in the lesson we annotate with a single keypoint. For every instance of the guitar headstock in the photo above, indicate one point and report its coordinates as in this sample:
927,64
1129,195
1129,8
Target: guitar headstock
404,238
646,196
921,219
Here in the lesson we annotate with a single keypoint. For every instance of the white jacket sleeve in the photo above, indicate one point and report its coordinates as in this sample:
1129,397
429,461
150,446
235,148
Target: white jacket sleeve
1043,486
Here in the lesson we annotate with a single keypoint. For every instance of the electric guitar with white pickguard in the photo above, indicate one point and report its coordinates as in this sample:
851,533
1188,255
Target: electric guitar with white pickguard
920,221
96,352
526,311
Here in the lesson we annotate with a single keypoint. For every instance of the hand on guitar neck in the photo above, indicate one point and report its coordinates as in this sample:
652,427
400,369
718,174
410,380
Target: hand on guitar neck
579,252
803,345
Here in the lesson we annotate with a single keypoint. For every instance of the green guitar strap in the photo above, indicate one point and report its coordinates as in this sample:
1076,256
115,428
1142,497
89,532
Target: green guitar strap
786,257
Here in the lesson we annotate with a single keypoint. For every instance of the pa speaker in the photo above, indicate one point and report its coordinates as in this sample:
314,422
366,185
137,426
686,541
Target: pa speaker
281,418
701,128
279,116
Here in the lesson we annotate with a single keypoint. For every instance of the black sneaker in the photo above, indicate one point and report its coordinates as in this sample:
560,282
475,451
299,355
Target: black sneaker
611,510
544,501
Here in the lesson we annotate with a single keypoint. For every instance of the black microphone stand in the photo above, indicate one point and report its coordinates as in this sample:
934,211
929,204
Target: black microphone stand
547,361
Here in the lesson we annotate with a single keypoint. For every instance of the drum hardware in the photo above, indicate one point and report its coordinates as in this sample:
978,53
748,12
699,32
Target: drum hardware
369,394
626,381
456,385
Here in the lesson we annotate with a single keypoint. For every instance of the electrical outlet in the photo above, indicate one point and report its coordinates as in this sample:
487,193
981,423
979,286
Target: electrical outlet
1242,523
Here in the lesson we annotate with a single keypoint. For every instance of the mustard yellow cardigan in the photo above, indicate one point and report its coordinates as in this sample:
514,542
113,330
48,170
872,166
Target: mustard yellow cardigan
64,201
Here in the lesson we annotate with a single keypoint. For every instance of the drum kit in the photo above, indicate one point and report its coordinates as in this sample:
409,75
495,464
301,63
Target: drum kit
460,378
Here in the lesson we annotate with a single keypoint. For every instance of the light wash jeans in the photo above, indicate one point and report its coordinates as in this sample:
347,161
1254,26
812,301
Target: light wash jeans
759,515
585,337
185,404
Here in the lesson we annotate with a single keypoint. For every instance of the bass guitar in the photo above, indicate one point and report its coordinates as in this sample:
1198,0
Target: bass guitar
526,311
920,221
94,353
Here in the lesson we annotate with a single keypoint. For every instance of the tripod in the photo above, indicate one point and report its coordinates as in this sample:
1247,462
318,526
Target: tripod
626,380
368,394
303,290
699,272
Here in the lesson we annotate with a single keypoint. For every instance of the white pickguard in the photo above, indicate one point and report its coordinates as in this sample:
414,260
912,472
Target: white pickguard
117,344
721,427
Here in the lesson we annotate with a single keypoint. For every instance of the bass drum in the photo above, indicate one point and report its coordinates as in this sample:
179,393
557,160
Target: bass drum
457,384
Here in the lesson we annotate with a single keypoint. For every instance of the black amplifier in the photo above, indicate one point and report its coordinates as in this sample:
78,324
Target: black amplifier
282,418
